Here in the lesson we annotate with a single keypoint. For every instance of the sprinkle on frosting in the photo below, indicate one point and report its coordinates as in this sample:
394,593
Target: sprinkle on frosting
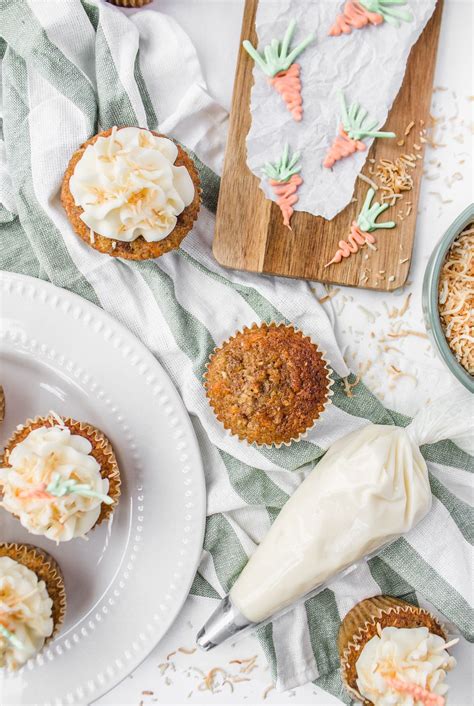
357,15
283,176
354,126
53,483
25,613
277,62
362,228
128,186
404,666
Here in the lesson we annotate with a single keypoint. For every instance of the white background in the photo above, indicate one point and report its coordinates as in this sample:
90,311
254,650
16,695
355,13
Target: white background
214,27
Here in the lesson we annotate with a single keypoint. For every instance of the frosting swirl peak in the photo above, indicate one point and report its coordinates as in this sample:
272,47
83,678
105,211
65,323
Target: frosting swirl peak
127,185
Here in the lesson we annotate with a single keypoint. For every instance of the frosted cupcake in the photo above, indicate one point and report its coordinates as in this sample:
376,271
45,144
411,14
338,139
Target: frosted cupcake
59,477
393,652
32,602
132,193
268,384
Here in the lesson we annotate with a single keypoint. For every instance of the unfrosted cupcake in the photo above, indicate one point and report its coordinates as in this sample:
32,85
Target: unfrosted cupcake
32,602
393,652
268,384
59,477
132,193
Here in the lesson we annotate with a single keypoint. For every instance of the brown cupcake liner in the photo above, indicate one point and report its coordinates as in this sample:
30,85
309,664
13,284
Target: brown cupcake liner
138,249
327,401
46,569
2,404
102,451
361,624
129,3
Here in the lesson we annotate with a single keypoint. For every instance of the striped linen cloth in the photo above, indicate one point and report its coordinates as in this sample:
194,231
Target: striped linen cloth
72,68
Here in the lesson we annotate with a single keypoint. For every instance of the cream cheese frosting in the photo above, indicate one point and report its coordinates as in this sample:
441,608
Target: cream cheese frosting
53,484
25,613
404,666
128,186
369,488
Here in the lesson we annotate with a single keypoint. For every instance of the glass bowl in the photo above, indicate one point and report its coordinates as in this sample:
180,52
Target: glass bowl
430,297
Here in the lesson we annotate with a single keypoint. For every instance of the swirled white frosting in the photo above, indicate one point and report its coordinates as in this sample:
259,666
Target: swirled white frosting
128,185
25,613
45,454
411,655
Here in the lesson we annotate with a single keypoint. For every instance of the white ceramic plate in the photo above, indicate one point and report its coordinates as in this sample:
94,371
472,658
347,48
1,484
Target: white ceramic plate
127,583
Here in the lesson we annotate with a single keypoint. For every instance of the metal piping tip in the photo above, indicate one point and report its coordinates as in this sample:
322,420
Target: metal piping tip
225,622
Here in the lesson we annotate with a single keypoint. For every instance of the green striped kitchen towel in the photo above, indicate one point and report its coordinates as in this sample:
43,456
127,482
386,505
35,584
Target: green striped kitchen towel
72,68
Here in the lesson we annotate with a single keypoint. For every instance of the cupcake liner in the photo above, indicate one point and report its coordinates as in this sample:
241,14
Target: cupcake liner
46,569
2,404
329,391
360,625
129,3
138,249
102,451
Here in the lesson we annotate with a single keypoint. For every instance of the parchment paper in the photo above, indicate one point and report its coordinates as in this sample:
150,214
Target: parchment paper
368,65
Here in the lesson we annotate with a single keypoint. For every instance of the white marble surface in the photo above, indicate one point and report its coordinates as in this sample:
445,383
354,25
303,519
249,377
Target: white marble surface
214,26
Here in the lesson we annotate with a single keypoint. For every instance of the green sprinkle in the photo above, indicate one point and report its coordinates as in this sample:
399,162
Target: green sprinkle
276,56
366,220
60,488
284,168
12,639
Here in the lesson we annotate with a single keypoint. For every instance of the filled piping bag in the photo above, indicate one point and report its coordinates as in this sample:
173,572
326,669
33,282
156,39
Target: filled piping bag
370,488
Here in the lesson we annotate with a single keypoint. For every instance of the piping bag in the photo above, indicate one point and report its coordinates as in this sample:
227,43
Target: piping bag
370,488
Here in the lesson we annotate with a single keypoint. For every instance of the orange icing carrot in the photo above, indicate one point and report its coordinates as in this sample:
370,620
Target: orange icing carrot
428,698
354,16
286,196
342,147
40,493
288,85
356,238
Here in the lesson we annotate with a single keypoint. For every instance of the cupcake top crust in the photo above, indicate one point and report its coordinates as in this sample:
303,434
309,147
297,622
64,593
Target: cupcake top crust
25,613
127,185
402,666
51,481
267,384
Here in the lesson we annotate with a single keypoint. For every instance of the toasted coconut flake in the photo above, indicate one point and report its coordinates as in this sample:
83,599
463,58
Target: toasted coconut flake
456,298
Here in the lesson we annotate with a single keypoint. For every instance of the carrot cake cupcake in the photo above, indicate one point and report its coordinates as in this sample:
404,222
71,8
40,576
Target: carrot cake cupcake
59,477
393,652
268,384
32,602
132,193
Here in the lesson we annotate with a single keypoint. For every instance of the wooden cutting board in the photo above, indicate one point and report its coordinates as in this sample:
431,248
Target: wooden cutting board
249,233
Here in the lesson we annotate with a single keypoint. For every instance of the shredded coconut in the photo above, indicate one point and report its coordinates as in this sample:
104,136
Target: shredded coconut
456,298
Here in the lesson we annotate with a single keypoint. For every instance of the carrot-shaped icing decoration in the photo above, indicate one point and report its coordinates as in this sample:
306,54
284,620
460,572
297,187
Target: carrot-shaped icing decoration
354,126
277,62
418,693
361,228
283,176
359,14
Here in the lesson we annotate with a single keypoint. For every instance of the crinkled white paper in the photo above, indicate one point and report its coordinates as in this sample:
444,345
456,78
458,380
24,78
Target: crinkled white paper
368,65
